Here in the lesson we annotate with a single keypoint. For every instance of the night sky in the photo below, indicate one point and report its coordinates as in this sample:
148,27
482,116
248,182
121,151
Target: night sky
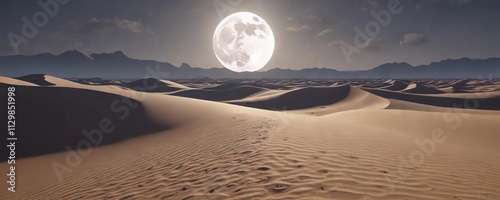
309,33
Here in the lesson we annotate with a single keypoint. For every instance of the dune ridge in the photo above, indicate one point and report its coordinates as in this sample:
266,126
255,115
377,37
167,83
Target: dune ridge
220,95
298,98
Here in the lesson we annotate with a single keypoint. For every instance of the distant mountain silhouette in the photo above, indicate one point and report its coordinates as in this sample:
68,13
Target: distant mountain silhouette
73,64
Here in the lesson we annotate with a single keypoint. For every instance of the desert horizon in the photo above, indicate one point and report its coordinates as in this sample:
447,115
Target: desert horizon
117,65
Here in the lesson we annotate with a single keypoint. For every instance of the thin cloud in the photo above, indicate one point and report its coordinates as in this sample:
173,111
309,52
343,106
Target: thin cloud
334,43
108,25
324,32
371,44
297,28
413,39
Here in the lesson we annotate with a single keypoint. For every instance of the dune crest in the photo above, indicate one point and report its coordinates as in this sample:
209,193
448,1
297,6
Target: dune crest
13,81
298,98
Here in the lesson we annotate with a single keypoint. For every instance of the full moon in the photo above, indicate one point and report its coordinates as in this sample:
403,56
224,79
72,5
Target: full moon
243,42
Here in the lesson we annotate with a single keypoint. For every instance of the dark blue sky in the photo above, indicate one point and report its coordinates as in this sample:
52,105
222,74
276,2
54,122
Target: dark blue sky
309,33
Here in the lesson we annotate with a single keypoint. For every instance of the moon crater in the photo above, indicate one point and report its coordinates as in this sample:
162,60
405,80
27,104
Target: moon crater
243,42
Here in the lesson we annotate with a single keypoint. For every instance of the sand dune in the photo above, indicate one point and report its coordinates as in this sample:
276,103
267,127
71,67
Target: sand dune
355,99
98,81
396,85
220,95
419,88
38,79
12,81
46,80
232,85
60,116
486,101
333,99
154,85
298,98
224,140
405,105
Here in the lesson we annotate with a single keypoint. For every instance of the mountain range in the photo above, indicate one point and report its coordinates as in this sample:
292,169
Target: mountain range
74,64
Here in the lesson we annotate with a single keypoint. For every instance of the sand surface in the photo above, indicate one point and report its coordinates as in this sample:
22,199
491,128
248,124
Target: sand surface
285,139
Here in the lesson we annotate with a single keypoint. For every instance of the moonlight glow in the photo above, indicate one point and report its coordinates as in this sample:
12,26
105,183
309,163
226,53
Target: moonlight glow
243,42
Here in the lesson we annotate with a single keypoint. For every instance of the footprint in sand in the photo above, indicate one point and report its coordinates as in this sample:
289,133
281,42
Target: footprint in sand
246,152
188,197
279,188
263,168
349,156
265,180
